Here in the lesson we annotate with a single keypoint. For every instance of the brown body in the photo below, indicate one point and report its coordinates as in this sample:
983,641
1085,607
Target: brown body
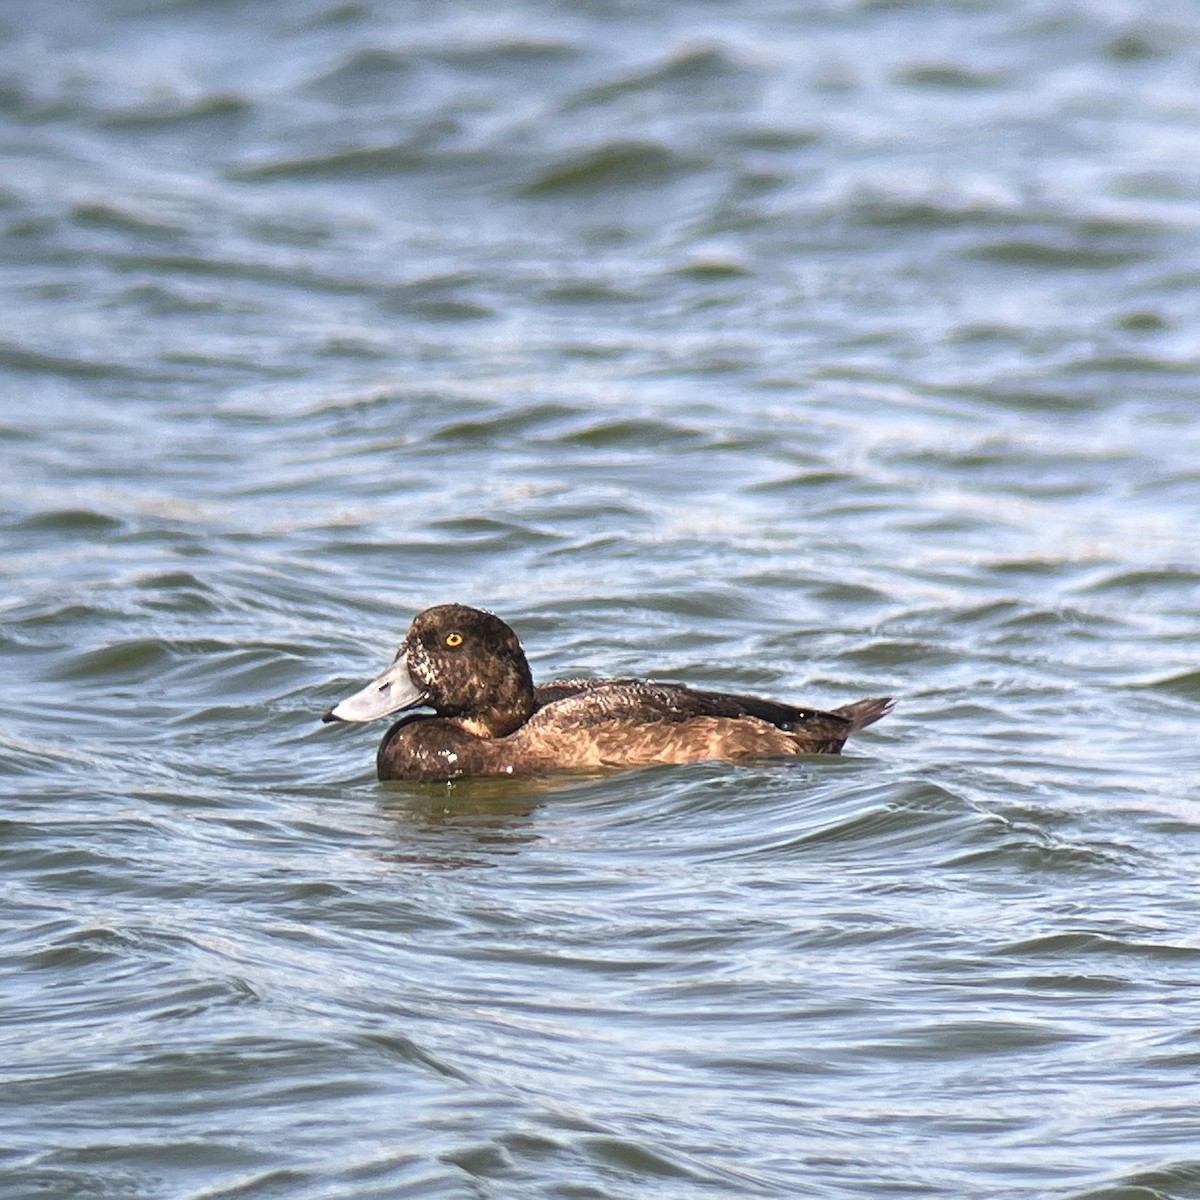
489,719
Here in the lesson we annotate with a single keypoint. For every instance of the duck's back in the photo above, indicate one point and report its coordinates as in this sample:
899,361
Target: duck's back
630,721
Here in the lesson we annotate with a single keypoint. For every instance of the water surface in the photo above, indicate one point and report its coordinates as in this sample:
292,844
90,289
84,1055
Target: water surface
818,350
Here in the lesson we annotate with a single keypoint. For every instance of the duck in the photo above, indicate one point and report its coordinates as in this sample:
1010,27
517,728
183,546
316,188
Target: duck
488,717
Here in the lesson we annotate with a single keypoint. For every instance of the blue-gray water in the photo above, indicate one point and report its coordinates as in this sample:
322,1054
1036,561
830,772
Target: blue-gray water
823,350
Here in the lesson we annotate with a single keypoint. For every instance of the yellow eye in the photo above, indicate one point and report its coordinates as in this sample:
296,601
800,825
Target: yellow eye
454,639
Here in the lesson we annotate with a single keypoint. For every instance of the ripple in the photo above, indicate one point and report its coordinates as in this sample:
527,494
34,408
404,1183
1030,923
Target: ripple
71,521
28,360
1185,684
353,162
171,300
1163,1182
972,1040
628,433
438,298
950,77
693,71
373,75
1140,581
95,214
622,164
1088,944
264,269
1058,255
508,52
131,659
1031,854
215,108
1037,400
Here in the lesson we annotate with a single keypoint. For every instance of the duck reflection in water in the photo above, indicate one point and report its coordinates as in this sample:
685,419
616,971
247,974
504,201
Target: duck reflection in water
489,719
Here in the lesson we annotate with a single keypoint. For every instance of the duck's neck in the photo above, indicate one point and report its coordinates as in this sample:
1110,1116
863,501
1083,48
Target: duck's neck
508,706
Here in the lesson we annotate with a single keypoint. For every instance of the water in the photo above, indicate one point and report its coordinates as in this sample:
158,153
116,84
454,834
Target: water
820,350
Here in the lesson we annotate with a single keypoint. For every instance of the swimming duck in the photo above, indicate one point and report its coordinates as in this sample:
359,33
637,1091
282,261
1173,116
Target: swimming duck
489,719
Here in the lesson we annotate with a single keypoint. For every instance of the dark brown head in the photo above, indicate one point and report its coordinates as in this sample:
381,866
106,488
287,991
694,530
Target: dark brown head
459,661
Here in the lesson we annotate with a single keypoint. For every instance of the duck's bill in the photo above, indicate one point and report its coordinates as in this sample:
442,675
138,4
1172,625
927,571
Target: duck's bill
394,691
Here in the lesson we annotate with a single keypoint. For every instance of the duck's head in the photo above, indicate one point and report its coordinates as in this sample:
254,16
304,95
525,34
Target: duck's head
459,661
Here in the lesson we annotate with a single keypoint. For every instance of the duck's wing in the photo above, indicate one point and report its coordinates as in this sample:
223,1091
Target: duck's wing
562,689
581,703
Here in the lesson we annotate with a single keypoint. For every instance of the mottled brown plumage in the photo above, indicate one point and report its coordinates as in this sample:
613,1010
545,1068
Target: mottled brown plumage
489,719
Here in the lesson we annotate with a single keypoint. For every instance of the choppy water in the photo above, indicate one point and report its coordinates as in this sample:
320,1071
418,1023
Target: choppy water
824,350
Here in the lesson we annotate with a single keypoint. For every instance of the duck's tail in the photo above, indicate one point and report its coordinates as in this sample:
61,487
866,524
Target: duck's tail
862,713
